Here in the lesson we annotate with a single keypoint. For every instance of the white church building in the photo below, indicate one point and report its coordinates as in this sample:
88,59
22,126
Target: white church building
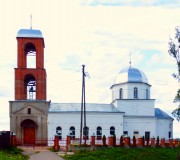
132,112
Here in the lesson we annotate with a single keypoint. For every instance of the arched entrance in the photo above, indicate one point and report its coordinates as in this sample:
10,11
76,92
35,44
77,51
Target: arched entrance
28,131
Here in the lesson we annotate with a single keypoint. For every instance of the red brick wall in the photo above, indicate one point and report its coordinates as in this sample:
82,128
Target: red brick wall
21,71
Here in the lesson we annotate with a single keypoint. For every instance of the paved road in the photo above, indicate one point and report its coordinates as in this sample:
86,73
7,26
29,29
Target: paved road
42,155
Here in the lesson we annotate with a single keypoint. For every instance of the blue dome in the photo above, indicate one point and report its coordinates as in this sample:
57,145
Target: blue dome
29,33
131,74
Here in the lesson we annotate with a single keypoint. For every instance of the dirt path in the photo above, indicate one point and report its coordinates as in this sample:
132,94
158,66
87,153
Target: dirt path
41,154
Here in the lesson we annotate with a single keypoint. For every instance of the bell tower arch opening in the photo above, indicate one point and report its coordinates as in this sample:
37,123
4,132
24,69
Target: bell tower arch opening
30,87
30,53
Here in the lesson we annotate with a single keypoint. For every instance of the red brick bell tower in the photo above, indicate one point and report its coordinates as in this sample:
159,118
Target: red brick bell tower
28,112
30,83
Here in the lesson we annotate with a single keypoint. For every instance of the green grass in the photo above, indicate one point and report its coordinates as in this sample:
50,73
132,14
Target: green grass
12,154
127,154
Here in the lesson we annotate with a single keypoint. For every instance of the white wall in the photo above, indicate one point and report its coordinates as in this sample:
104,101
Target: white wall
163,127
140,124
156,127
67,119
136,107
128,90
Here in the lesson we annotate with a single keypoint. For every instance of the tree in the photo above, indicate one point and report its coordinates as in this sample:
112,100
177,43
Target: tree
174,51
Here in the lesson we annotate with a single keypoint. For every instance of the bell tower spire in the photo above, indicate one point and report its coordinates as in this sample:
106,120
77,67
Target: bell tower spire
31,21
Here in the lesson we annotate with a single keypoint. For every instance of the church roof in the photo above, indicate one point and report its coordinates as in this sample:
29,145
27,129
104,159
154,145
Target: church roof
130,74
161,114
76,107
29,33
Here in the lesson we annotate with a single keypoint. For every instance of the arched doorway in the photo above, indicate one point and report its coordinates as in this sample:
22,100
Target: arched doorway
28,131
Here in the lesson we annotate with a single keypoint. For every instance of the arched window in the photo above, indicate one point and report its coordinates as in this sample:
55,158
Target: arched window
135,92
72,132
30,87
86,132
121,93
112,130
99,133
147,94
30,51
59,132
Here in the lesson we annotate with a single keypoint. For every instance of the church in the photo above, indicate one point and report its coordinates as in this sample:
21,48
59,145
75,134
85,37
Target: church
34,119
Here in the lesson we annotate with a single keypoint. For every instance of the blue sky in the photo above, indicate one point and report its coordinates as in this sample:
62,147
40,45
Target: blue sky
101,35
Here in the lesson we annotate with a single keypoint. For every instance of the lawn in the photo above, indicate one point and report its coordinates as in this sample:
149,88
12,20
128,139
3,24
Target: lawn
12,154
127,154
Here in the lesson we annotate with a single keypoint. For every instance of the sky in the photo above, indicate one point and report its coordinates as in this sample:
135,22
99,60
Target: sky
100,34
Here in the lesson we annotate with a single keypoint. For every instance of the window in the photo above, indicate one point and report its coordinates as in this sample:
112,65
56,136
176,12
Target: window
72,132
29,110
147,94
135,92
86,132
99,133
112,130
59,132
147,135
169,135
125,133
121,93
136,134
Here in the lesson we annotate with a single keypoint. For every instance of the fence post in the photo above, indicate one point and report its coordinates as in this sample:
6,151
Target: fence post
68,142
104,140
140,142
111,141
126,141
157,141
93,142
121,141
134,141
153,142
13,140
162,142
56,142
176,143
170,142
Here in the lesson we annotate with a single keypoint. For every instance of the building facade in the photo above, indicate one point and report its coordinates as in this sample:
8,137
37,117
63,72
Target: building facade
34,120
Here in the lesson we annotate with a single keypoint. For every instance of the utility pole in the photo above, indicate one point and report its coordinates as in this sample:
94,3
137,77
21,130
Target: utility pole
83,109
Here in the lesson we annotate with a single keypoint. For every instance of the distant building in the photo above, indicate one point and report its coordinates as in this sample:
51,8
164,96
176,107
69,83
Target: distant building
35,119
